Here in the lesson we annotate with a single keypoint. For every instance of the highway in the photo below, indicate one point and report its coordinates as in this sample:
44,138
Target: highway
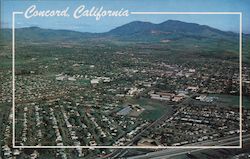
172,152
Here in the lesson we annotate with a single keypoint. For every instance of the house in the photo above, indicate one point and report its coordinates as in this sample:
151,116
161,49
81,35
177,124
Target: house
193,88
95,81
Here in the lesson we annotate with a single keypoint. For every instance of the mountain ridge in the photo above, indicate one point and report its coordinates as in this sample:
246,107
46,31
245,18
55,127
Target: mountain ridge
136,31
172,35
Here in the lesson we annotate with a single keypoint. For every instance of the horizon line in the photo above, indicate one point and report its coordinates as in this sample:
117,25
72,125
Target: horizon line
74,30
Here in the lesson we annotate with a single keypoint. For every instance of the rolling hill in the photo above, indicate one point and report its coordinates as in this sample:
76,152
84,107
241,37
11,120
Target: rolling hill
173,34
134,31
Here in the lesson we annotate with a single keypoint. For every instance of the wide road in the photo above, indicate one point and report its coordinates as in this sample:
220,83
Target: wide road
167,153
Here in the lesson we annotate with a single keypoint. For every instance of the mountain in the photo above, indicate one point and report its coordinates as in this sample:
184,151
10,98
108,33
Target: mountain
36,34
172,35
136,31
168,30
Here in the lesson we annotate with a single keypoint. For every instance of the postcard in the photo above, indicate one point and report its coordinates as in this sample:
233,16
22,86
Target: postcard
124,79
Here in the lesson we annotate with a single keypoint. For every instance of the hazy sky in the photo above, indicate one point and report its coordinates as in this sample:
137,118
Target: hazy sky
89,24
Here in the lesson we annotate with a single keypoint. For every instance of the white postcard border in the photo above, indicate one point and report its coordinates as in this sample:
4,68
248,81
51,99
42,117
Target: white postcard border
125,147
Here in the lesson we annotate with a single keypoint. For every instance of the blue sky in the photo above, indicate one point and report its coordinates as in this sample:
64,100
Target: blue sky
89,24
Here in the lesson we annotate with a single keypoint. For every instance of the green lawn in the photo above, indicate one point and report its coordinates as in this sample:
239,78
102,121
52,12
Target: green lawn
153,108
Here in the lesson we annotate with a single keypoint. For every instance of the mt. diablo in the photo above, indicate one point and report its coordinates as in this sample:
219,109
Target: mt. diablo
171,35
172,29
136,31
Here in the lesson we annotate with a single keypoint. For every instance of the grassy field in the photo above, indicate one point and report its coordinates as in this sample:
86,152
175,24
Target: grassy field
153,108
